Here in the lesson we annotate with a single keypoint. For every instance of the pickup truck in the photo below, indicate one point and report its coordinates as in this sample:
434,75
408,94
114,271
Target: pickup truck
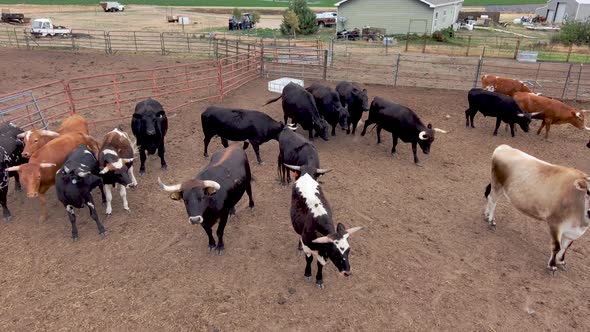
43,27
112,6
326,19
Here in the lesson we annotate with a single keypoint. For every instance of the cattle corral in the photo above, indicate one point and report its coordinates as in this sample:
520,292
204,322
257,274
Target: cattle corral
427,260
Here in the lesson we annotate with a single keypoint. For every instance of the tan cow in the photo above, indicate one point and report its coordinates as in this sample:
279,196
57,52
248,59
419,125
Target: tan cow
34,139
556,194
552,111
503,85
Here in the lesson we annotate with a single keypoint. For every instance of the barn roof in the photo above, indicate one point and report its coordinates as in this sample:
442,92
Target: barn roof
430,3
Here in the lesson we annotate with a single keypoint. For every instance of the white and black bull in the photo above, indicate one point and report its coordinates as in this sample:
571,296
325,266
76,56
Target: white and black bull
212,195
403,124
11,149
300,106
149,126
74,183
116,166
311,218
357,101
299,152
504,108
239,125
329,105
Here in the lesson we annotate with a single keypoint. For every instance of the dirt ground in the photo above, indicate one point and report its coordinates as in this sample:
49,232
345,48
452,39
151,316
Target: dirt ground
134,18
427,260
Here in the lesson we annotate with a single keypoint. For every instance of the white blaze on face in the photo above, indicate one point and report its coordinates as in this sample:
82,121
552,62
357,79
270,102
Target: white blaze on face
309,189
342,244
27,135
120,133
90,153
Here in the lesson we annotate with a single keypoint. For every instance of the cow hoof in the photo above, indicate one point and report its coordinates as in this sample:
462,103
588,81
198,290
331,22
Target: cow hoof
348,132
307,278
492,226
552,271
419,164
261,163
164,168
562,266
128,210
320,284
206,156
211,248
141,172
18,188
219,251
133,185
7,219
108,215
104,234
75,238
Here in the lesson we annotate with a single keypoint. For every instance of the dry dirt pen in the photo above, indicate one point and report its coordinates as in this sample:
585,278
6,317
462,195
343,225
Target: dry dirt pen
427,260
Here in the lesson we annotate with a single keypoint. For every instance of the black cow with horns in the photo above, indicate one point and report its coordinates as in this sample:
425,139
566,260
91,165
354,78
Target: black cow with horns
503,108
212,195
311,217
402,123
239,125
300,106
149,126
74,183
300,153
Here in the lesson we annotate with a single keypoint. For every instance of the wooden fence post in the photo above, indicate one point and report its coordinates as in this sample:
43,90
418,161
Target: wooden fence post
579,77
325,64
478,70
262,58
407,40
135,41
396,70
220,78
162,42
468,46
424,45
569,71
516,48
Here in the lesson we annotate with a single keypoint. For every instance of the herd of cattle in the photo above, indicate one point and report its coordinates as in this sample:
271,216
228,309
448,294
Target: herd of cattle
76,163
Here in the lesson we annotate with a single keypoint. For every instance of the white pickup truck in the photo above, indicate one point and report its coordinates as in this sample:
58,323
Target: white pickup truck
112,6
42,27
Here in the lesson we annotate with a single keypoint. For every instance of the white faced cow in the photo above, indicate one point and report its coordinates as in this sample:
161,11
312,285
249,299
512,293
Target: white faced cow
555,194
311,217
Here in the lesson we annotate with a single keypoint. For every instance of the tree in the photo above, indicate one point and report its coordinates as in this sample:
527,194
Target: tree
237,13
574,32
290,25
255,17
306,20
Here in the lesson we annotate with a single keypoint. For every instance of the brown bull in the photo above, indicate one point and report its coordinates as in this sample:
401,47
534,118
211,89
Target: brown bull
34,139
552,111
506,86
555,194
38,175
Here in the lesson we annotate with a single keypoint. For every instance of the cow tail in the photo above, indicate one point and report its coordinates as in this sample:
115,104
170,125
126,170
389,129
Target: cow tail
273,100
375,125
488,190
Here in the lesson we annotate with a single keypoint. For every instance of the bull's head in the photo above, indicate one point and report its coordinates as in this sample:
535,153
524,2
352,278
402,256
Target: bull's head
150,121
579,119
343,116
363,97
306,169
34,139
524,120
338,247
321,128
426,137
78,177
30,175
198,196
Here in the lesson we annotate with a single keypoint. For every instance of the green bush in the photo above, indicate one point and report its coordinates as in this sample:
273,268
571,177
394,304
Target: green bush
237,13
255,17
573,32
290,25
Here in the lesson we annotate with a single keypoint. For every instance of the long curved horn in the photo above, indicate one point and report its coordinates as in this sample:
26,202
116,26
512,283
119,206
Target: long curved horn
210,184
49,133
127,160
22,135
46,165
423,136
13,169
354,230
83,174
323,239
293,168
171,189
292,127
323,170
104,170
535,114
438,130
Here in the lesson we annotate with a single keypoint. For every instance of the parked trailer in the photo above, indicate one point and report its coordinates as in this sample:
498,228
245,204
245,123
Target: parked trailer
13,18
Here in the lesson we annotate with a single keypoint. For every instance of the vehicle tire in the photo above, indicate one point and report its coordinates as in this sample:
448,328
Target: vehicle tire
322,25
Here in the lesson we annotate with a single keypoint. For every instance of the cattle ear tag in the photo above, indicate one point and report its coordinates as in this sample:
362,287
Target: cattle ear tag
74,181
176,196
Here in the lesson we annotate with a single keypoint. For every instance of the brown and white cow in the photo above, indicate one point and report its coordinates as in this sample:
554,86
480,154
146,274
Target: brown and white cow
556,194
116,165
38,175
35,138
506,86
551,111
